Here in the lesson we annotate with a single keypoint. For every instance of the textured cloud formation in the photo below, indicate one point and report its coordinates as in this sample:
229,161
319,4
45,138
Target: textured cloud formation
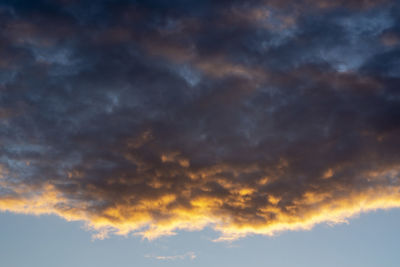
148,117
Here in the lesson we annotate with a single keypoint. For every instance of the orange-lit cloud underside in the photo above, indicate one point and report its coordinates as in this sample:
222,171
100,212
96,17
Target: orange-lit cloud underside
234,214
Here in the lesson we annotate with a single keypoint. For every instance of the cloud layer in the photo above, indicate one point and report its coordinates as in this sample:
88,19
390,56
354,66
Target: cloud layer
246,116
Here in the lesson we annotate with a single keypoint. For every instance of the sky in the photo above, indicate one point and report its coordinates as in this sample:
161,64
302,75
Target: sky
370,240
198,133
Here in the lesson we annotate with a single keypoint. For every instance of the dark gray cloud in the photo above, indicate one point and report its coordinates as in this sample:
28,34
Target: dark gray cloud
250,116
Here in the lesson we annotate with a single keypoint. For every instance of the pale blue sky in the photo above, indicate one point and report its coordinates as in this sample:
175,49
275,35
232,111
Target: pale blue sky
370,240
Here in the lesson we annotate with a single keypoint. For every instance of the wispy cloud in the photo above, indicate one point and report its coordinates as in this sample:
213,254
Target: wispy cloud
188,255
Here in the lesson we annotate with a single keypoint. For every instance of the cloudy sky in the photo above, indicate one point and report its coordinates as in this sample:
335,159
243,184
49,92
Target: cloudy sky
229,123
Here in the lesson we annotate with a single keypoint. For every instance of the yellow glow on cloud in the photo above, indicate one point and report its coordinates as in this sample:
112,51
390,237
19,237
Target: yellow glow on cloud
152,218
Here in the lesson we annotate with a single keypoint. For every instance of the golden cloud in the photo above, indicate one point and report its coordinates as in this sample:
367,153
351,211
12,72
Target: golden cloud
227,205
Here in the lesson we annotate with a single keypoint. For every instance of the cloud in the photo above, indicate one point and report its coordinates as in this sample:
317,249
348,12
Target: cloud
188,255
145,118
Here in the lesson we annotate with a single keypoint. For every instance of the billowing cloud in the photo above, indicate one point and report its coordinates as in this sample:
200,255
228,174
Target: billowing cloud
250,117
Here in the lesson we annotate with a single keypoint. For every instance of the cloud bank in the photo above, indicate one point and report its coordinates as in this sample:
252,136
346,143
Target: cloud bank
250,117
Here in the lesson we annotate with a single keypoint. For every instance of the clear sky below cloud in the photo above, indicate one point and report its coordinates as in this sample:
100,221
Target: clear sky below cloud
47,241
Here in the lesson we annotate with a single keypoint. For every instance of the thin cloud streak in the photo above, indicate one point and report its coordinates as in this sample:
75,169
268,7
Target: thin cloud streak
189,255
